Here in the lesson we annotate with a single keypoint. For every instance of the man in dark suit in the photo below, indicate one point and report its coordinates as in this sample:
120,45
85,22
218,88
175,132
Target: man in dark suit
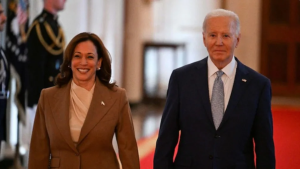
217,107
4,80
45,49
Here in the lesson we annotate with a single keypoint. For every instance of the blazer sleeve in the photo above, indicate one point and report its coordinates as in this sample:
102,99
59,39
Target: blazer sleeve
128,151
169,128
263,131
39,153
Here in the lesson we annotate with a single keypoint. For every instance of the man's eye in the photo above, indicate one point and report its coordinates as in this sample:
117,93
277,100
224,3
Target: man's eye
226,36
212,35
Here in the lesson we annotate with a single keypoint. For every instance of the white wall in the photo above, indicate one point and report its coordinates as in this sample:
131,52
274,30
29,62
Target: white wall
163,21
177,20
181,21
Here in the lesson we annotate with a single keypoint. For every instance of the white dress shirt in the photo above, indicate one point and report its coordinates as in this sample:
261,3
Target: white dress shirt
227,78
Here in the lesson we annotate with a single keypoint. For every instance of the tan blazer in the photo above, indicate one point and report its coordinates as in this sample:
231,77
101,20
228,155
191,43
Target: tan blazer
109,114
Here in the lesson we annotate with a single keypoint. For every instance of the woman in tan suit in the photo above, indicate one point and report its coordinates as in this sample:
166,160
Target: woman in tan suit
76,119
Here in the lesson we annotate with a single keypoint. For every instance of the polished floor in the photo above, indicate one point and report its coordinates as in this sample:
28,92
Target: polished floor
146,120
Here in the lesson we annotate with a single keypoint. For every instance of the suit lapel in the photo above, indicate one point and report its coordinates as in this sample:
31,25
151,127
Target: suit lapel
101,103
60,110
238,89
200,77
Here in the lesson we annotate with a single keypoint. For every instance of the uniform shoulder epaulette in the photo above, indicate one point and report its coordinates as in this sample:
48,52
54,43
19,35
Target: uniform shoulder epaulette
56,41
37,20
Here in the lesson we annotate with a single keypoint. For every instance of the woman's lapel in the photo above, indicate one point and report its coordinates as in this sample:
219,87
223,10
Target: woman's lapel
101,103
59,106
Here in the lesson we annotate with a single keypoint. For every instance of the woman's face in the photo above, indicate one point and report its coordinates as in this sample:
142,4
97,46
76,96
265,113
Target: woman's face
85,63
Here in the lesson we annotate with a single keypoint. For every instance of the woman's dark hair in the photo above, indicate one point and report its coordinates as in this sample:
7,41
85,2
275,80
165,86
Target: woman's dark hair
104,74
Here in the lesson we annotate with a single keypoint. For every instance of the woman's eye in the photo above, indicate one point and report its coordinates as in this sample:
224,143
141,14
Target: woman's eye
91,57
76,56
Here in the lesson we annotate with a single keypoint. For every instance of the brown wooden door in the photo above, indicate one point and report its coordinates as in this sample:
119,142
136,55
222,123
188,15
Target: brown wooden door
280,47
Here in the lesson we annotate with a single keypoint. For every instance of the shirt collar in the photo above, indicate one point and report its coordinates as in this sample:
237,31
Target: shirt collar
228,69
49,14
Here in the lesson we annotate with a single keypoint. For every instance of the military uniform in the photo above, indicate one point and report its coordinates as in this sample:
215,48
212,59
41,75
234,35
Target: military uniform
45,54
4,93
16,52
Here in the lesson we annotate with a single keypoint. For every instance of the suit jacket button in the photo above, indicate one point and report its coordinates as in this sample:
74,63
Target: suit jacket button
210,156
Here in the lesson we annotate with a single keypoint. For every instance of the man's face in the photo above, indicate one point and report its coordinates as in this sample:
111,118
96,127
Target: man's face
2,18
58,5
220,39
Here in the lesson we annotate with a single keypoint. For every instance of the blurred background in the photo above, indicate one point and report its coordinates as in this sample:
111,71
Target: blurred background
147,39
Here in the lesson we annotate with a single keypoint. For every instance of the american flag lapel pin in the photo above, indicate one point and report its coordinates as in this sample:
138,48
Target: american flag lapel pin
244,80
102,103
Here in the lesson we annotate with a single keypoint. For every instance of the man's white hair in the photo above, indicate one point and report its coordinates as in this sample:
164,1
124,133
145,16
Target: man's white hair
226,13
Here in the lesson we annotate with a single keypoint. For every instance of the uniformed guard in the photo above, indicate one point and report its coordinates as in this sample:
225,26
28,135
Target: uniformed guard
16,50
4,80
45,49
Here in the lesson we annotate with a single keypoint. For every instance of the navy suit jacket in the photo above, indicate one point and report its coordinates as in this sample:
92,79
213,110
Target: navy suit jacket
187,116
